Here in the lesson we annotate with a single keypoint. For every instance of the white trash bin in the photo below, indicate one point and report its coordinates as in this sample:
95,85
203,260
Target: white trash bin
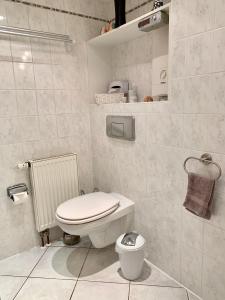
130,247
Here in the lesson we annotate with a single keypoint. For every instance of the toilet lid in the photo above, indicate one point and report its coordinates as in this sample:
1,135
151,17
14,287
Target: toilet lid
87,208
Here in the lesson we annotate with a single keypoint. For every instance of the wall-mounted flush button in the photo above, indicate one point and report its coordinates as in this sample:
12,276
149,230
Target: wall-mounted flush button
117,129
121,127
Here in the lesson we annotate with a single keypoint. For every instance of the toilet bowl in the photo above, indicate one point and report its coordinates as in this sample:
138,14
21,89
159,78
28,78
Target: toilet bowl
101,216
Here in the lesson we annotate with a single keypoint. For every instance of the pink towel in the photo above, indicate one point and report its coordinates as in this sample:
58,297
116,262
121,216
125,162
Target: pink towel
199,198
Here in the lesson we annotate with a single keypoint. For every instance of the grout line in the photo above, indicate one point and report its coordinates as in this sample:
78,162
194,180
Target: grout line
79,274
53,278
193,35
129,291
73,290
158,285
138,6
179,283
187,295
20,289
38,261
20,61
193,76
203,252
83,263
16,276
70,247
113,282
27,277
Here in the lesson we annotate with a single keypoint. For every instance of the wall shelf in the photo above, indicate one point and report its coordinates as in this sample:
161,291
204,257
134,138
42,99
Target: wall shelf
124,33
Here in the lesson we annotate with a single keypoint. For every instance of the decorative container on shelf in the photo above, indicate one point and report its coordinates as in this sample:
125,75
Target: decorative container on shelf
110,98
157,4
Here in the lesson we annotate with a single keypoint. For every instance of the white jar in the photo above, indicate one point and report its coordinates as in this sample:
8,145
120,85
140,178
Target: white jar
133,99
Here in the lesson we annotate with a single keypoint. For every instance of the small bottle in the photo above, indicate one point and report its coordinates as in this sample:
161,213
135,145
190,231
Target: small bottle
132,96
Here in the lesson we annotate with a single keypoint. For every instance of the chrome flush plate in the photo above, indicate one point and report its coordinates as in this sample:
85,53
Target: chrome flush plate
120,127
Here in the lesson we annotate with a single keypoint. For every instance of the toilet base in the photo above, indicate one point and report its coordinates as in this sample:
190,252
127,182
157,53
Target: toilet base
108,235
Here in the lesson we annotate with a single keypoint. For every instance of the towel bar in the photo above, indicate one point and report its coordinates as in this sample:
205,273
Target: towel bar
206,159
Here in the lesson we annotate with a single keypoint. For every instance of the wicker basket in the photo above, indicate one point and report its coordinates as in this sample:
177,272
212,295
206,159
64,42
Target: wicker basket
109,98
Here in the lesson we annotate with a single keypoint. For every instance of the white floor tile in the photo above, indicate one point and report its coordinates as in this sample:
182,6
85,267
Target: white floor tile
57,269
141,292
100,291
21,264
102,265
61,263
192,297
152,276
9,286
46,289
84,243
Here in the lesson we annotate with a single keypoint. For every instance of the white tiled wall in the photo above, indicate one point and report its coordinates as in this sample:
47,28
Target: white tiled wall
44,111
150,170
43,104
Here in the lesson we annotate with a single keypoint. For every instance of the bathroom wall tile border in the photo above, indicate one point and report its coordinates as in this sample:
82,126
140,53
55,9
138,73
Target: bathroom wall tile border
57,10
137,7
74,13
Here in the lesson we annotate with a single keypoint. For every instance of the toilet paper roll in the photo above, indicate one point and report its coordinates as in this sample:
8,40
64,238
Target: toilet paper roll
20,198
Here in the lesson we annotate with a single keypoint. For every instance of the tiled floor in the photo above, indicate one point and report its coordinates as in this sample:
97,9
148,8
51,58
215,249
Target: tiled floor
80,273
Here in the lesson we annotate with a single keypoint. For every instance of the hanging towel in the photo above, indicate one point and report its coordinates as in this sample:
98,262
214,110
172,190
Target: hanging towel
199,198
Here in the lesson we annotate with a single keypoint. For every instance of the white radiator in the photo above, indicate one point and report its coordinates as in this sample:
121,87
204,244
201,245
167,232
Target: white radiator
54,180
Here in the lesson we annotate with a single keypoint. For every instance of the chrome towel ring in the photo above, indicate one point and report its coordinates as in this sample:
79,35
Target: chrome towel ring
206,159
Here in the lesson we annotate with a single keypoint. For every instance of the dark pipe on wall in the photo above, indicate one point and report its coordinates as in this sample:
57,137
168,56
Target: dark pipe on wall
120,15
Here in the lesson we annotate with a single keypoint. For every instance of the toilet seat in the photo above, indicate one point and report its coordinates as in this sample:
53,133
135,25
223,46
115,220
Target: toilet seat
87,220
87,208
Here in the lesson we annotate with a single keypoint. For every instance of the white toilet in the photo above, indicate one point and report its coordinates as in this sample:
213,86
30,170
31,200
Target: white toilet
101,216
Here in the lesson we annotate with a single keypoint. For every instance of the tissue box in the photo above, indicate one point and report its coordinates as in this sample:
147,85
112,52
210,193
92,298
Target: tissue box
110,98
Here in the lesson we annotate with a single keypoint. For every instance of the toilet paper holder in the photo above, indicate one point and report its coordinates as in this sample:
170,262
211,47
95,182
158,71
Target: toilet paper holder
16,189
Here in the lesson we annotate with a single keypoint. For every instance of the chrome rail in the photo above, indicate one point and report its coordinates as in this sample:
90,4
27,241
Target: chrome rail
35,34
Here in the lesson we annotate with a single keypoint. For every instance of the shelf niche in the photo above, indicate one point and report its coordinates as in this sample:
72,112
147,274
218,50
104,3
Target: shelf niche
126,53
